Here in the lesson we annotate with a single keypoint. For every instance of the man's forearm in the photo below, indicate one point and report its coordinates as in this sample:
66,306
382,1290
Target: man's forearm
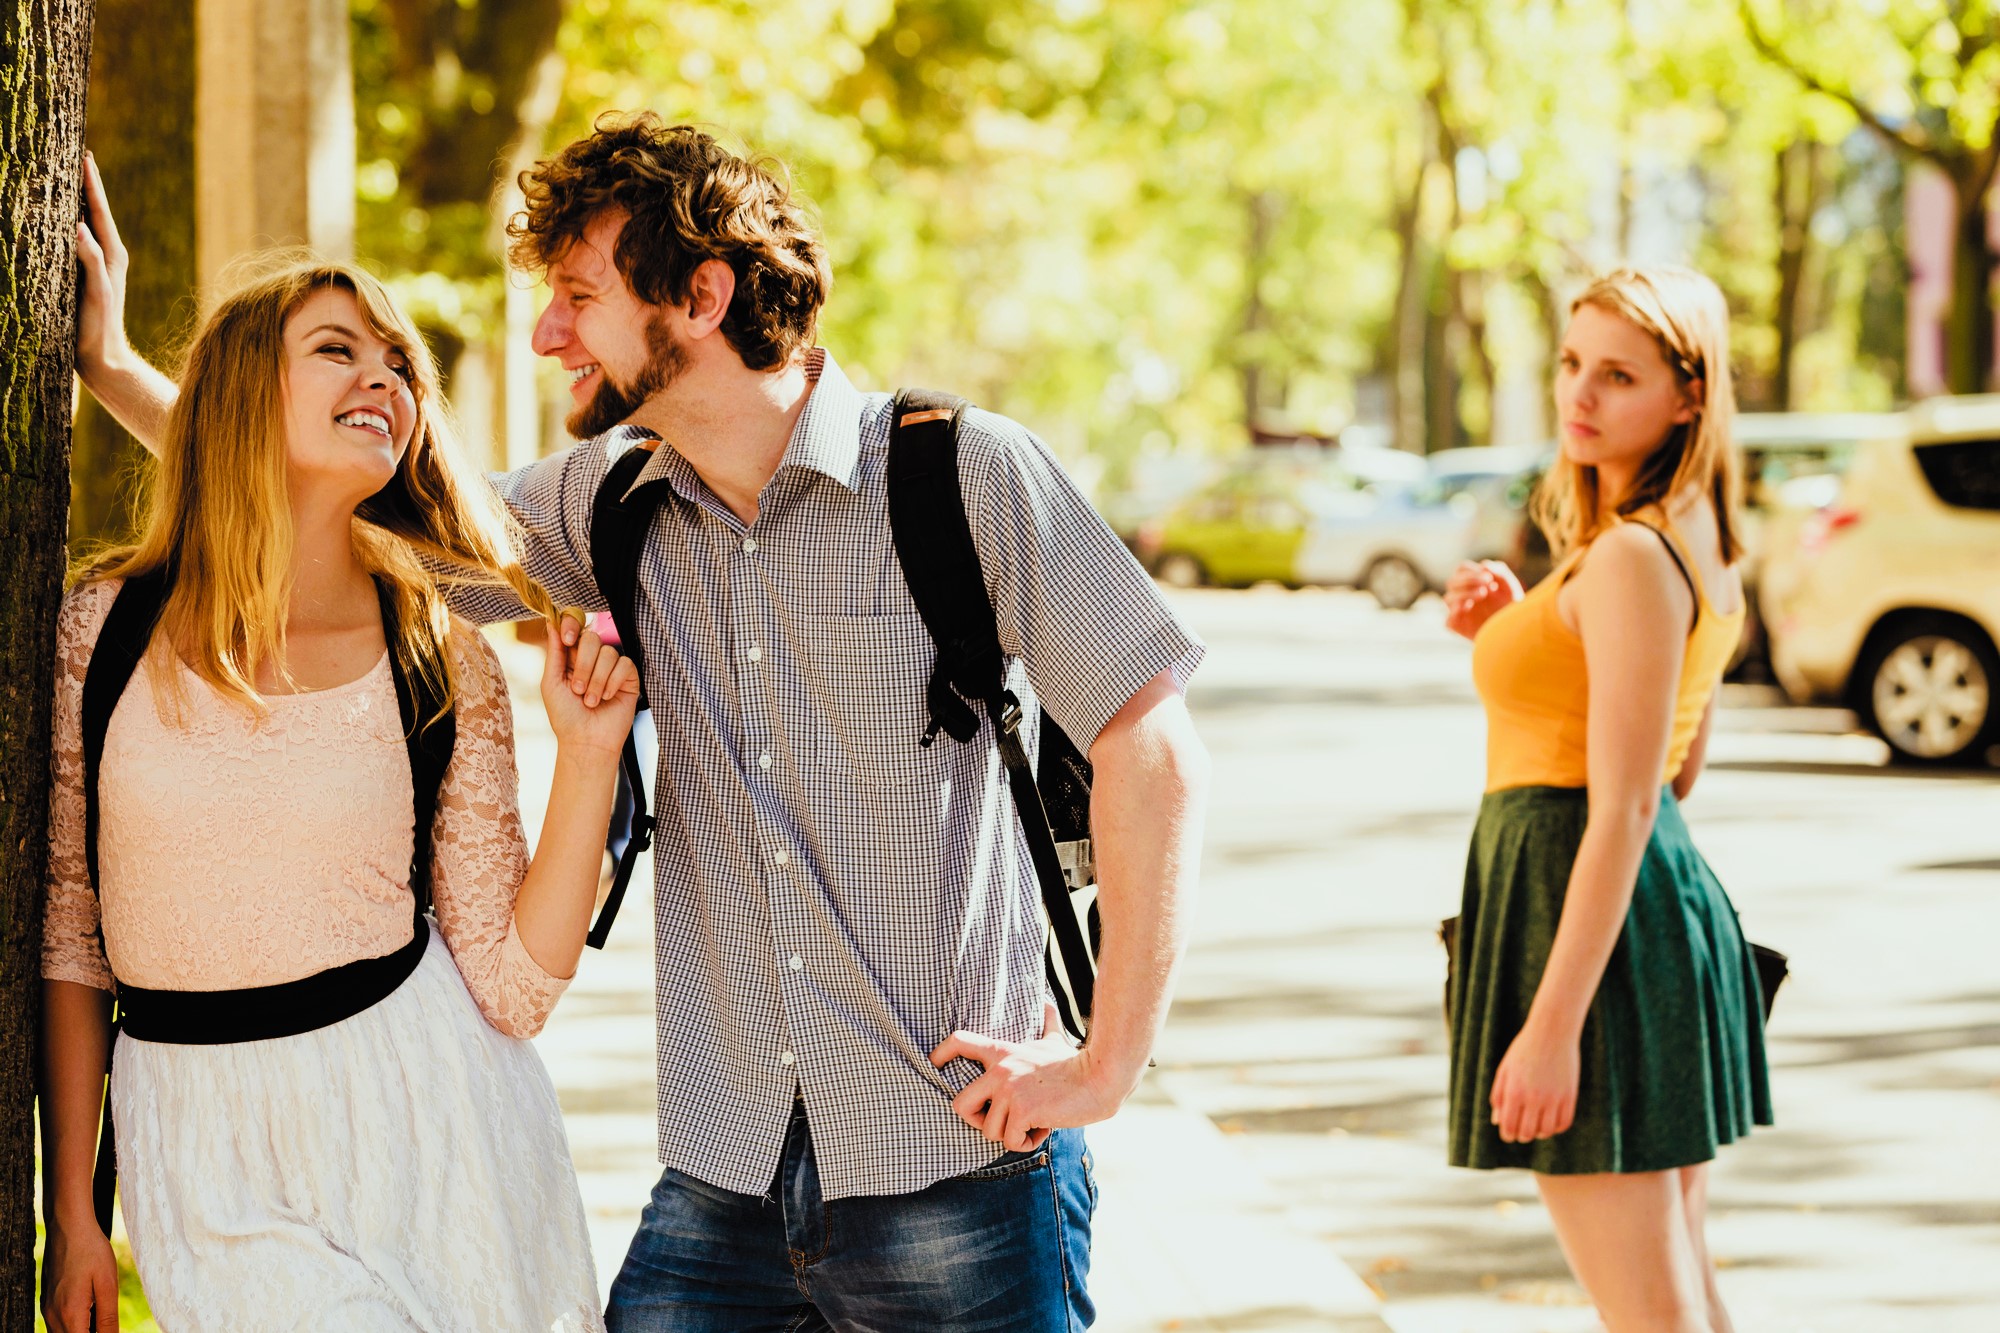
136,394
1148,801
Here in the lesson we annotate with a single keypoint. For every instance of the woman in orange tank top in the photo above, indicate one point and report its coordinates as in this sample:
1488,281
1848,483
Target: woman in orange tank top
1607,1028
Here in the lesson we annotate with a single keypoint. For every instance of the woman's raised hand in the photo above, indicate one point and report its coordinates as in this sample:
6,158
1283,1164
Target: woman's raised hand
1475,591
591,690
100,317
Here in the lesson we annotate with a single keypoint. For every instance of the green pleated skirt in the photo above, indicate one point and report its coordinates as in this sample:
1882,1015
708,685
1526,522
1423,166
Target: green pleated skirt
1673,1047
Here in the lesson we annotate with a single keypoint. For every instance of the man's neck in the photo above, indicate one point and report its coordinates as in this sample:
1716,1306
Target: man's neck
732,425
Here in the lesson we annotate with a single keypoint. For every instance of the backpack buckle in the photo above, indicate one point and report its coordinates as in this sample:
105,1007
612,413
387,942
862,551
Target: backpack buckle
1008,717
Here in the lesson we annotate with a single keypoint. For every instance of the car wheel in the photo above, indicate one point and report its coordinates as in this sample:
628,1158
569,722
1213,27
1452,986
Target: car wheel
1394,582
1177,569
1928,689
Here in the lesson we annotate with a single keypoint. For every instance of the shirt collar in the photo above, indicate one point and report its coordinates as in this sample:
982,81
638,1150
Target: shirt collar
825,439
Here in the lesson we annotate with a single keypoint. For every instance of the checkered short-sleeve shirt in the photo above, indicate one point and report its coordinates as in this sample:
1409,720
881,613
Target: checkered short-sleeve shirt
831,898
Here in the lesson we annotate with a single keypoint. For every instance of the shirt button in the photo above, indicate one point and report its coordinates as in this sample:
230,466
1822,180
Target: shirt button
782,857
749,546
756,653
788,1059
764,760
797,962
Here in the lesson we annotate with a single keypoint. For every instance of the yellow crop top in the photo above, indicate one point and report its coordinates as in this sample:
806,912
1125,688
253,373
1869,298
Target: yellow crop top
1529,669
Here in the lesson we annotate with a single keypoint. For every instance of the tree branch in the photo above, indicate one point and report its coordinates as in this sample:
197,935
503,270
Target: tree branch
1914,143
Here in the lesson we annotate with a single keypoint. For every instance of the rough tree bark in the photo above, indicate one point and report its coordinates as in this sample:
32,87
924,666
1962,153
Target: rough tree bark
44,69
142,72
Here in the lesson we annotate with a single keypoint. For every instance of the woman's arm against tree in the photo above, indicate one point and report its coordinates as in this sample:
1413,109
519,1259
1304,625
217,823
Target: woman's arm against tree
131,389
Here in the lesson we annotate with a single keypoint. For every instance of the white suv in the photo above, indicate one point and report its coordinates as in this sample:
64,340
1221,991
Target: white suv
1888,598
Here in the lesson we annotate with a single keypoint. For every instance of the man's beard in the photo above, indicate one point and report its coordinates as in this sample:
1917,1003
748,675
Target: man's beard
611,405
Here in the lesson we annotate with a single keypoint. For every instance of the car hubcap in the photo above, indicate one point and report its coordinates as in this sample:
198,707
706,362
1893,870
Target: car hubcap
1931,697
1395,584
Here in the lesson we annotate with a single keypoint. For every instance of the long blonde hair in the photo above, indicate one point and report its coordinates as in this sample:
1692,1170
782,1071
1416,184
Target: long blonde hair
220,518
1686,314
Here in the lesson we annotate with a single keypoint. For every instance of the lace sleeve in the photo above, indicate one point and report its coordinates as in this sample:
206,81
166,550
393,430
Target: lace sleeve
71,947
479,853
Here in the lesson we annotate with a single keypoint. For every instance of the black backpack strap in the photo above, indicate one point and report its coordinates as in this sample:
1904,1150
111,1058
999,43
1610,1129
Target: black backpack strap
933,540
619,521
430,744
121,646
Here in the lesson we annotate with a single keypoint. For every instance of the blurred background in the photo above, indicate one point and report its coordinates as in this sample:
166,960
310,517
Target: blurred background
1280,280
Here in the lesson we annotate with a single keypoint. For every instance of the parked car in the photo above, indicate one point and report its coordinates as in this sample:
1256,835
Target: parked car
1887,596
1498,482
1309,523
1799,451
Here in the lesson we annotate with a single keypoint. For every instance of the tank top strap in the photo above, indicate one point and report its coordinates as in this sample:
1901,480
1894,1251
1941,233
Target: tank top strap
1664,530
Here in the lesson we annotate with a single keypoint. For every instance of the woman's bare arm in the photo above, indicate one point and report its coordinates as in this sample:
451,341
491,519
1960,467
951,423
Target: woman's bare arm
117,376
1632,609
80,1288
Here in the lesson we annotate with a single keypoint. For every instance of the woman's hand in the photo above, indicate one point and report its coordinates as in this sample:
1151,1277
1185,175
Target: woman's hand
1534,1091
591,692
100,316
80,1281
1474,592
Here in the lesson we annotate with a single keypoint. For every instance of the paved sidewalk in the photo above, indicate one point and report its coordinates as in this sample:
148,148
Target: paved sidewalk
1188,1236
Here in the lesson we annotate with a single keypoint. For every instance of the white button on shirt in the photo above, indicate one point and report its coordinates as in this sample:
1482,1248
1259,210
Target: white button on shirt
764,760
749,546
912,899
797,962
788,1058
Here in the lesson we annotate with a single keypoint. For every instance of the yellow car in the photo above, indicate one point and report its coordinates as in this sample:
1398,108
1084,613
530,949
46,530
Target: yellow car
1886,596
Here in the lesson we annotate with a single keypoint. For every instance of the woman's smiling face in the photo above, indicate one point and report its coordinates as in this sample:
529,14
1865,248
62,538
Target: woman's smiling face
349,408
1616,396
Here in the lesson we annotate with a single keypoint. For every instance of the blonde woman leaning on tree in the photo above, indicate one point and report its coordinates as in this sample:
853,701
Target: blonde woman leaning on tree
325,1113
1606,1024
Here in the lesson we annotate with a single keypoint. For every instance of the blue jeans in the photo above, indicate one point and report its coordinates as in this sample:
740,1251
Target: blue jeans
1003,1249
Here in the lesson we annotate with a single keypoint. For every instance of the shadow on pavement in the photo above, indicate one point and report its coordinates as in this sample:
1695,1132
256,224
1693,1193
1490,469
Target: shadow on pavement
1811,769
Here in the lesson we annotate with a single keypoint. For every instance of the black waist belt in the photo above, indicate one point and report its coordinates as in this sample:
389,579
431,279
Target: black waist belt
260,1013
255,1013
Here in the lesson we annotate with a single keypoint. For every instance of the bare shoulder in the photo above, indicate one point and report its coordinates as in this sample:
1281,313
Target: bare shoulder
1630,570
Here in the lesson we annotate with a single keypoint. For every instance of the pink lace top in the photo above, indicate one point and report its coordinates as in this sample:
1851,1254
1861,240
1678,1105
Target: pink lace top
235,853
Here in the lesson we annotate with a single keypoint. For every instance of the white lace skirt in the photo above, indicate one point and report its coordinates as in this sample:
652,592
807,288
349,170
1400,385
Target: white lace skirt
405,1169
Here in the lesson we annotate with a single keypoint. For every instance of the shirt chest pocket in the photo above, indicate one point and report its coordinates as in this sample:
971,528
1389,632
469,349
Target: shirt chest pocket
867,676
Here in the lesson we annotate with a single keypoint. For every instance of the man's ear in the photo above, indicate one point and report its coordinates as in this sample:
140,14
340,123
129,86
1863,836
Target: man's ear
711,287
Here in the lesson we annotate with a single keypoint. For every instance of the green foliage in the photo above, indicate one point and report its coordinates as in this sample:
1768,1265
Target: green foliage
1134,222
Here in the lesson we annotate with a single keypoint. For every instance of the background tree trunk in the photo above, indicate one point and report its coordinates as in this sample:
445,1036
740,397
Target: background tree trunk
142,72
1969,330
1801,187
44,69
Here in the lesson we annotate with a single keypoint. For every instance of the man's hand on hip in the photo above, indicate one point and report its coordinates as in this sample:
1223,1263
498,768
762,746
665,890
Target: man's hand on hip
1029,1087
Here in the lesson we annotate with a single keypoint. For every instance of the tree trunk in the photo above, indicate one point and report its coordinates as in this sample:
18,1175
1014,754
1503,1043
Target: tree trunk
1263,216
1406,322
1800,187
142,132
1969,330
44,69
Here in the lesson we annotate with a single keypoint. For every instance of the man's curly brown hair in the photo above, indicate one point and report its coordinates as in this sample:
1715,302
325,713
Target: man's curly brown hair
687,200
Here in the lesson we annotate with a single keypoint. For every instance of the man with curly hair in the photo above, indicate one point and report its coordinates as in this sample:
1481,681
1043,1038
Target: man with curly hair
867,1116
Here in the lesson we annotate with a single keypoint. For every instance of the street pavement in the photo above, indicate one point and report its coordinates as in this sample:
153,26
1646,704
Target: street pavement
1282,1168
